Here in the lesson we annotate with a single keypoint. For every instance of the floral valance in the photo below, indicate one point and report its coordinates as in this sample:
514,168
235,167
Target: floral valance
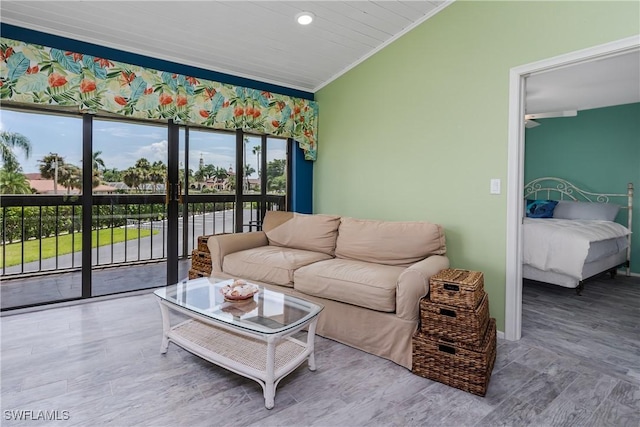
41,75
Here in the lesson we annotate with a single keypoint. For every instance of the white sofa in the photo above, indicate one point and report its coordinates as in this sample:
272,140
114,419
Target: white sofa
369,275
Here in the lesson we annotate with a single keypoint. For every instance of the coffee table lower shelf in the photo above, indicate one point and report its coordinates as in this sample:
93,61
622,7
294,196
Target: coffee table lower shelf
266,362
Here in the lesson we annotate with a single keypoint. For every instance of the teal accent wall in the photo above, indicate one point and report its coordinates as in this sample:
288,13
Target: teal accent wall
417,131
598,150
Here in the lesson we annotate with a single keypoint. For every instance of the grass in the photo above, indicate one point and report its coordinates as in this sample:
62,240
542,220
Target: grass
13,251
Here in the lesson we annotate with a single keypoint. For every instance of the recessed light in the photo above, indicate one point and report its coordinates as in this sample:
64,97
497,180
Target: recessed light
304,18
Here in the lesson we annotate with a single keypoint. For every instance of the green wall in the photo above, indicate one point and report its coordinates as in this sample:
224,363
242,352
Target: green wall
417,130
597,150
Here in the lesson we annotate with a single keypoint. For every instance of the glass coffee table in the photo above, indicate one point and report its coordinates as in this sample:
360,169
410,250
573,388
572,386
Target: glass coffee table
253,338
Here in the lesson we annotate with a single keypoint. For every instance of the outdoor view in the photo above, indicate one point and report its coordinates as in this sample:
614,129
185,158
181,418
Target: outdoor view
41,155
39,147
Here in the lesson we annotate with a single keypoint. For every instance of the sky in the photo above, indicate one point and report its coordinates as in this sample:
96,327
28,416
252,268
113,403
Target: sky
123,143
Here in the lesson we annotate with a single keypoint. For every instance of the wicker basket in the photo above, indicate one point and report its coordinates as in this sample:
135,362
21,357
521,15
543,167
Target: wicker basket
456,366
458,288
455,324
201,261
202,243
195,274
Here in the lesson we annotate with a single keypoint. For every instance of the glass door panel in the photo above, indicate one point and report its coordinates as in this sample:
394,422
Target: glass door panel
277,166
41,210
211,158
129,216
251,183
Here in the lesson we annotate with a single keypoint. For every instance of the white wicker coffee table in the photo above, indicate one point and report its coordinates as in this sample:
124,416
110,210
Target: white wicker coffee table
252,338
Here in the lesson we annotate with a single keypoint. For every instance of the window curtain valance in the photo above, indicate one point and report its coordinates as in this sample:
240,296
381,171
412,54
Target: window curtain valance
33,74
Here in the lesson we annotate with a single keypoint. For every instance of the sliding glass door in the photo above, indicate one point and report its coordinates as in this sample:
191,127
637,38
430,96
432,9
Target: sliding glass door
129,207
41,213
94,206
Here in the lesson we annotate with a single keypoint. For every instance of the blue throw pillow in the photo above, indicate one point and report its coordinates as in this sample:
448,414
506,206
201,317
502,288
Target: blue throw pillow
540,208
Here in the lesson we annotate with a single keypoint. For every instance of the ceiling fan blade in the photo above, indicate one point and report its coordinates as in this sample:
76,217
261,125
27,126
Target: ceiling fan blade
568,113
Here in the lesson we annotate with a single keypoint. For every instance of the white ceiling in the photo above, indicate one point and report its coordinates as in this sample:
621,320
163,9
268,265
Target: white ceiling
260,40
601,83
253,39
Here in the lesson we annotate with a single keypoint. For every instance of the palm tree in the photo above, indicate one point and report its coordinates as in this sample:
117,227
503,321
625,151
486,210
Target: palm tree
98,167
205,172
13,182
70,176
199,176
97,161
220,174
230,183
96,178
9,141
133,177
143,167
50,166
157,173
256,150
248,170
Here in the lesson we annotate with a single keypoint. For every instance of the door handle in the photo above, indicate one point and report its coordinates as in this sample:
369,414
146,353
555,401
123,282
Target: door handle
168,196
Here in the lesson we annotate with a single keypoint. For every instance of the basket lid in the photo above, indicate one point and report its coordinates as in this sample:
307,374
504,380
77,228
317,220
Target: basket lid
456,275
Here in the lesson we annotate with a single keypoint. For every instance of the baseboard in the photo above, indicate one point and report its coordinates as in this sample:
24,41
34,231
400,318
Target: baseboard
500,334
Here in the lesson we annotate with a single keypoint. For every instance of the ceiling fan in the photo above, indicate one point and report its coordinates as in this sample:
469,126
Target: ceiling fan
529,121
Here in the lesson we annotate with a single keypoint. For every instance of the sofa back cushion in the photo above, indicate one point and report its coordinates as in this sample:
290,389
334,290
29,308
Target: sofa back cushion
387,242
315,233
272,219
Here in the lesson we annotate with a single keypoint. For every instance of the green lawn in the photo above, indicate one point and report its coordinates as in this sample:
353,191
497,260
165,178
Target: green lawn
13,251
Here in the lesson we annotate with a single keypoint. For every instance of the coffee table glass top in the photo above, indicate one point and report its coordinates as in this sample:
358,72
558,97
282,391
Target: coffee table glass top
267,312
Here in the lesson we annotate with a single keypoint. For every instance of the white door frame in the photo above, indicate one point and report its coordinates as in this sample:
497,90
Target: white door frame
515,170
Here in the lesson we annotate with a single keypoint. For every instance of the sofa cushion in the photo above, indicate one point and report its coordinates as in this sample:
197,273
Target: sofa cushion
316,233
269,264
354,282
388,242
272,219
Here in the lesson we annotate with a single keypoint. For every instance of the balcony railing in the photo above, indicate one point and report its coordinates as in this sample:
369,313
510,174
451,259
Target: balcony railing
42,233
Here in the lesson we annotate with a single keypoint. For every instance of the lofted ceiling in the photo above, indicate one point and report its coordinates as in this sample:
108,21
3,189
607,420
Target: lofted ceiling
259,40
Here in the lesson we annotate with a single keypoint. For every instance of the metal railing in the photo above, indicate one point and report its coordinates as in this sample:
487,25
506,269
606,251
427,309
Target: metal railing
42,233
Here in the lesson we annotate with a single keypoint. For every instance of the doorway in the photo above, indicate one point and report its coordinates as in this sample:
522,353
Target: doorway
515,178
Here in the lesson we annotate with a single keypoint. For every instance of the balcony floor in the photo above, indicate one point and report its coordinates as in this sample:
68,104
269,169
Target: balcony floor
105,281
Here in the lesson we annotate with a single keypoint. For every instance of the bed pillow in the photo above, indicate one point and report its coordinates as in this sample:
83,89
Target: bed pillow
540,208
586,210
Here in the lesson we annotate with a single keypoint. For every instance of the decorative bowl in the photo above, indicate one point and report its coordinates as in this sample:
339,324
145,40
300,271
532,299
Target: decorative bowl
239,291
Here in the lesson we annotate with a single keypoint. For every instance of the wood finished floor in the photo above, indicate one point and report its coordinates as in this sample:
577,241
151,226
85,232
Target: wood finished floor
578,364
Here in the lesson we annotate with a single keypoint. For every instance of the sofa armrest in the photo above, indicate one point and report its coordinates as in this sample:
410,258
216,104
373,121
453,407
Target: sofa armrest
413,284
222,245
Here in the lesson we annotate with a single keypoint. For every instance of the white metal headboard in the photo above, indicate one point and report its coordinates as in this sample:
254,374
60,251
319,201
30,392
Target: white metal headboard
552,188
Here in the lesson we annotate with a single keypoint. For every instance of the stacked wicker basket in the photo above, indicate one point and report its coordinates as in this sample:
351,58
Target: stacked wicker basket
201,259
456,341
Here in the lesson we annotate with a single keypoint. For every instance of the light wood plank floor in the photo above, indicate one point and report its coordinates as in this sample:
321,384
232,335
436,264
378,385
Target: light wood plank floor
576,365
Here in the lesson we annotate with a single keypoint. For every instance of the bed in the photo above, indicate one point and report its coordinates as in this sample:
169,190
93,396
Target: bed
570,234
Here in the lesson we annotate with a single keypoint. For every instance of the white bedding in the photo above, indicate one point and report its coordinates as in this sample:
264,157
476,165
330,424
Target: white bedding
562,245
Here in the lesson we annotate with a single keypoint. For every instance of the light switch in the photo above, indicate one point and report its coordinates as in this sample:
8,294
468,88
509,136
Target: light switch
495,186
